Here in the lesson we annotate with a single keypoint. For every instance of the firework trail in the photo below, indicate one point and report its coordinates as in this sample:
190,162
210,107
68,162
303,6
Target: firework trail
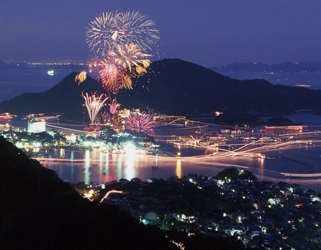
93,104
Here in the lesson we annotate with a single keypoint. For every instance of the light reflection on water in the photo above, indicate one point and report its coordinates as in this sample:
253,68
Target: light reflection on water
98,167
178,169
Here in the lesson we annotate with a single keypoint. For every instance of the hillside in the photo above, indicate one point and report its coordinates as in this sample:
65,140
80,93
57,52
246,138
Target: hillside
40,211
174,87
185,88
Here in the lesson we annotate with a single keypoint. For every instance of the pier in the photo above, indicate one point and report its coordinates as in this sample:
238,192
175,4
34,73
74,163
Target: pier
307,173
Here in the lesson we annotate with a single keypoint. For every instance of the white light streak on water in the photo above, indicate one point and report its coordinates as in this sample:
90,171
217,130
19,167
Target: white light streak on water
178,170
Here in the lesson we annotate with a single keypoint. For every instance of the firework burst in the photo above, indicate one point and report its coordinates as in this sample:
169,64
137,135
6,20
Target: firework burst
111,77
107,72
117,122
140,123
100,32
127,82
113,121
134,27
113,107
81,77
129,55
103,118
93,104
95,66
119,43
111,29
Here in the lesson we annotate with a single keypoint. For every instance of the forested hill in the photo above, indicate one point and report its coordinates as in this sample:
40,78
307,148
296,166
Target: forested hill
180,87
174,87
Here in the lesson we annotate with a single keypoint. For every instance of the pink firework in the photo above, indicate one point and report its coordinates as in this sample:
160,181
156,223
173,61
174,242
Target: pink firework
113,107
111,77
141,123
103,118
108,73
94,67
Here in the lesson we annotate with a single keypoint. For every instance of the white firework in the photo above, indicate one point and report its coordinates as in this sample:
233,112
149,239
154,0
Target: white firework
107,31
93,104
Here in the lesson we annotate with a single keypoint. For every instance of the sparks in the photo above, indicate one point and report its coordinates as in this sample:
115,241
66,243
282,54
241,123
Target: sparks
93,105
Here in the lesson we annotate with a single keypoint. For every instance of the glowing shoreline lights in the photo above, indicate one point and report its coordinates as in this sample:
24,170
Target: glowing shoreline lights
120,44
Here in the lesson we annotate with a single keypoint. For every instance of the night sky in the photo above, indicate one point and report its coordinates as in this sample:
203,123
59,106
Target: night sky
206,32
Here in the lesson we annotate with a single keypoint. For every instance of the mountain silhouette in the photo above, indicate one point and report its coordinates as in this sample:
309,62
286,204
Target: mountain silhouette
173,87
308,66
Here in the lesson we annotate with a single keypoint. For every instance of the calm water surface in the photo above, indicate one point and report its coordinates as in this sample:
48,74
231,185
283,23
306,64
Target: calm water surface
14,82
100,167
284,78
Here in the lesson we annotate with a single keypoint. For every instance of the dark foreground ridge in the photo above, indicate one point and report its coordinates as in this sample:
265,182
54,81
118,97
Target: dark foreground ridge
40,211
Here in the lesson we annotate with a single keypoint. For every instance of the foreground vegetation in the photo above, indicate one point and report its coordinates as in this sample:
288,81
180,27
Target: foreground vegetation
41,211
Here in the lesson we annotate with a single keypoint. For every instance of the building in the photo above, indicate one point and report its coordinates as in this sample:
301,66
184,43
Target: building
36,125
124,113
286,129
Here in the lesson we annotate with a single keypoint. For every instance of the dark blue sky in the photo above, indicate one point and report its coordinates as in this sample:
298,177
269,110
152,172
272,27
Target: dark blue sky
207,32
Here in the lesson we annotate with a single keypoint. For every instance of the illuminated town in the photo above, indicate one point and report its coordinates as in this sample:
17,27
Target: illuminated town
256,214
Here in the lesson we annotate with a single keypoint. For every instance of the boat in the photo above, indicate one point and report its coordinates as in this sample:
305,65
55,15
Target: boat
302,85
